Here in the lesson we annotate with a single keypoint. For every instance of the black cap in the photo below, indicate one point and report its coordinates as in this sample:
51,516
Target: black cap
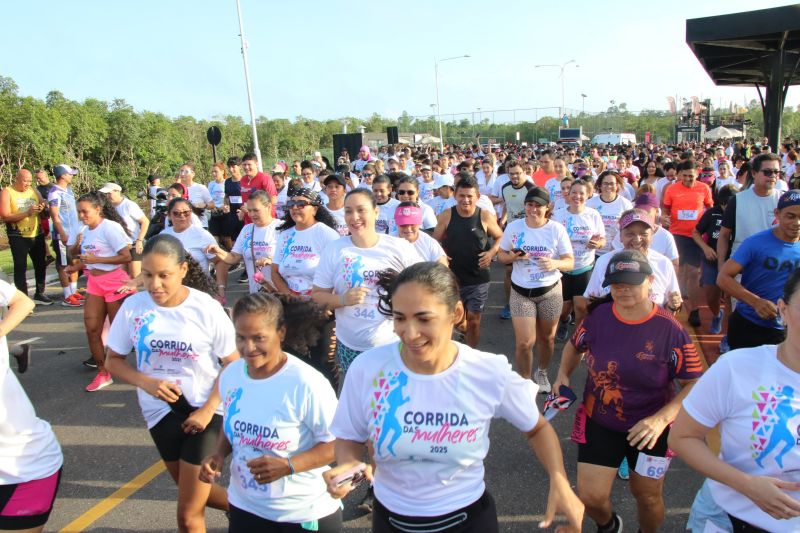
627,266
537,195
337,177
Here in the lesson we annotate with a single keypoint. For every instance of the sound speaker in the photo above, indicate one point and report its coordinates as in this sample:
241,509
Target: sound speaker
351,142
392,135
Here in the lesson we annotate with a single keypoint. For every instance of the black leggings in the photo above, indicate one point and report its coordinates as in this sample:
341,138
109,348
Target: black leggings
242,521
320,355
479,517
740,526
21,248
744,334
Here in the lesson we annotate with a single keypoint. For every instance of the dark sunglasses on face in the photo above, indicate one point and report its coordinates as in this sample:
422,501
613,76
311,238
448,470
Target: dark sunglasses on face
769,172
406,191
366,174
182,214
297,203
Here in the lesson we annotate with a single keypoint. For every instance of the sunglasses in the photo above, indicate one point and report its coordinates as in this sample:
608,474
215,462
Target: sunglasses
366,174
182,214
769,172
406,191
297,203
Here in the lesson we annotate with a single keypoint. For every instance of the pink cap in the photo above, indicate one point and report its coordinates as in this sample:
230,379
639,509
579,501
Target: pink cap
408,215
364,148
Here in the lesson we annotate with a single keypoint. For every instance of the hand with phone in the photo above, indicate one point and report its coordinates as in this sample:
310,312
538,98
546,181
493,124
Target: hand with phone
344,478
163,390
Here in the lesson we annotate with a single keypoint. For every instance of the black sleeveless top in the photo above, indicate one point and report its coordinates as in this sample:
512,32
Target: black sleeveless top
464,239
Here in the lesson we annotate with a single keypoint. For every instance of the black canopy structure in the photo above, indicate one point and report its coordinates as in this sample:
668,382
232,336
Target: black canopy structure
756,48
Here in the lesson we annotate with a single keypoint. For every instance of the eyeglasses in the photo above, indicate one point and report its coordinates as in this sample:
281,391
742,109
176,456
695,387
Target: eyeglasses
406,191
297,203
182,214
185,171
366,174
769,172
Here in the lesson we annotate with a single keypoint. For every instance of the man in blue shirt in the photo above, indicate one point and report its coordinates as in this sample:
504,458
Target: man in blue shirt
765,260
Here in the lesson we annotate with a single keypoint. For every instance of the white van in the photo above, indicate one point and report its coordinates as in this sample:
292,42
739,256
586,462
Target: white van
614,139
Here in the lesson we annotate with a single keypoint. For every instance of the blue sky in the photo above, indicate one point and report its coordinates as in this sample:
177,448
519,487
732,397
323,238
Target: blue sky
332,58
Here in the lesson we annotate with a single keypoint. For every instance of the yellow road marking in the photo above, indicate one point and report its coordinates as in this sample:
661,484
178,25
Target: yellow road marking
121,494
713,436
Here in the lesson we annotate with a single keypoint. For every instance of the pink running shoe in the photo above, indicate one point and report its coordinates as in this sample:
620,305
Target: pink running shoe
101,380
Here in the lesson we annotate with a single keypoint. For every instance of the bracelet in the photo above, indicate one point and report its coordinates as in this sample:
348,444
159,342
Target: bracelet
291,467
341,300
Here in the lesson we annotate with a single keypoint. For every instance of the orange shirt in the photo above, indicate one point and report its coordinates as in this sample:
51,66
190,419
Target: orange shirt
540,178
686,205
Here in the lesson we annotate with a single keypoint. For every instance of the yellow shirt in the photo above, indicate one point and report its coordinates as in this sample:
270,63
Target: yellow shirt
20,202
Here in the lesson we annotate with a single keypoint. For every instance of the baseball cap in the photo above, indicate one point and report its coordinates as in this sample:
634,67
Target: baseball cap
646,200
636,215
278,168
408,215
108,187
61,170
627,266
789,198
425,167
537,195
338,177
444,179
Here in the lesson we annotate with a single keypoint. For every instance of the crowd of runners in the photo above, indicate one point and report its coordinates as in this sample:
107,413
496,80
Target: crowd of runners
357,344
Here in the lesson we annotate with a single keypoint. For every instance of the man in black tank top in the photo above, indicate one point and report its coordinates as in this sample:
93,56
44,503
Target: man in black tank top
464,232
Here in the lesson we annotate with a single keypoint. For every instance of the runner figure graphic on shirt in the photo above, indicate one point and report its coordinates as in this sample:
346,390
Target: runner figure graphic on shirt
606,386
142,332
353,267
395,400
232,411
780,429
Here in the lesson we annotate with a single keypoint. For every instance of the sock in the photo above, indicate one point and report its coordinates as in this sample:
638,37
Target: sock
73,287
67,292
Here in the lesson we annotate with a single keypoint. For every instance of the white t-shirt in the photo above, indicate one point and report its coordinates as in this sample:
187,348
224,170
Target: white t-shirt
199,193
298,255
428,216
427,247
385,221
580,229
663,243
753,397
131,214
426,190
730,180
64,200
338,217
431,432
553,187
280,201
217,192
665,281
28,447
661,185
105,240
437,203
550,241
179,344
259,242
610,213
195,240
485,185
344,266
288,413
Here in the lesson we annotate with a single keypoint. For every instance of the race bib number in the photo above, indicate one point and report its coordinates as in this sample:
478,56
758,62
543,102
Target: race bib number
365,312
235,199
687,214
652,467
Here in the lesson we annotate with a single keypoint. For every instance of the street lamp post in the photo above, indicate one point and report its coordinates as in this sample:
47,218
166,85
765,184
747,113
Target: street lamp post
562,67
583,104
438,107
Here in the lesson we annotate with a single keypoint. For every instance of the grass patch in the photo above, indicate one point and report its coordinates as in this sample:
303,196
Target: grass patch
7,263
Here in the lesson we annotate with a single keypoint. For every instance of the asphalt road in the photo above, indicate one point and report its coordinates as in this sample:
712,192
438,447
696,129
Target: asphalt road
106,444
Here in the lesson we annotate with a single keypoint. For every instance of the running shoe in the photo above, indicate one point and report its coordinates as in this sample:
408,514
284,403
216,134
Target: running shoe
542,381
71,301
623,472
23,357
90,363
562,333
716,323
243,277
79,295
724,347
614,526
505,314
42,299
694,318
368,501
235,268
100,381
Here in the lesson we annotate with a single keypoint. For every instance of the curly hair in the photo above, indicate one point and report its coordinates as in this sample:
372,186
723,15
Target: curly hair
170,246
107,211
322,215
302,319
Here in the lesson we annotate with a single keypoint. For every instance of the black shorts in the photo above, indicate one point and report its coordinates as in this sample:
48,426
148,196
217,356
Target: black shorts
688,251
474,297
745,334
574,285
28,505
216,224
173,444
231,225
60,255
478,517
606,447
242,521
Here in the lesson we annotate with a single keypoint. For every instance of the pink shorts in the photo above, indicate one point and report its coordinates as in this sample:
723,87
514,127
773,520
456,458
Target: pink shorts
106,284
28,505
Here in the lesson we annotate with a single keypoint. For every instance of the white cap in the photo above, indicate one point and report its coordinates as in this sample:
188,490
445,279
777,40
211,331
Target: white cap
108,187
444,179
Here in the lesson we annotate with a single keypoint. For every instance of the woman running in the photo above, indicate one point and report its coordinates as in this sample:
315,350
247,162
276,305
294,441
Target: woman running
277,413
436,387
103,247
635,352
30,456
180,335
194,239
408,218
609,204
